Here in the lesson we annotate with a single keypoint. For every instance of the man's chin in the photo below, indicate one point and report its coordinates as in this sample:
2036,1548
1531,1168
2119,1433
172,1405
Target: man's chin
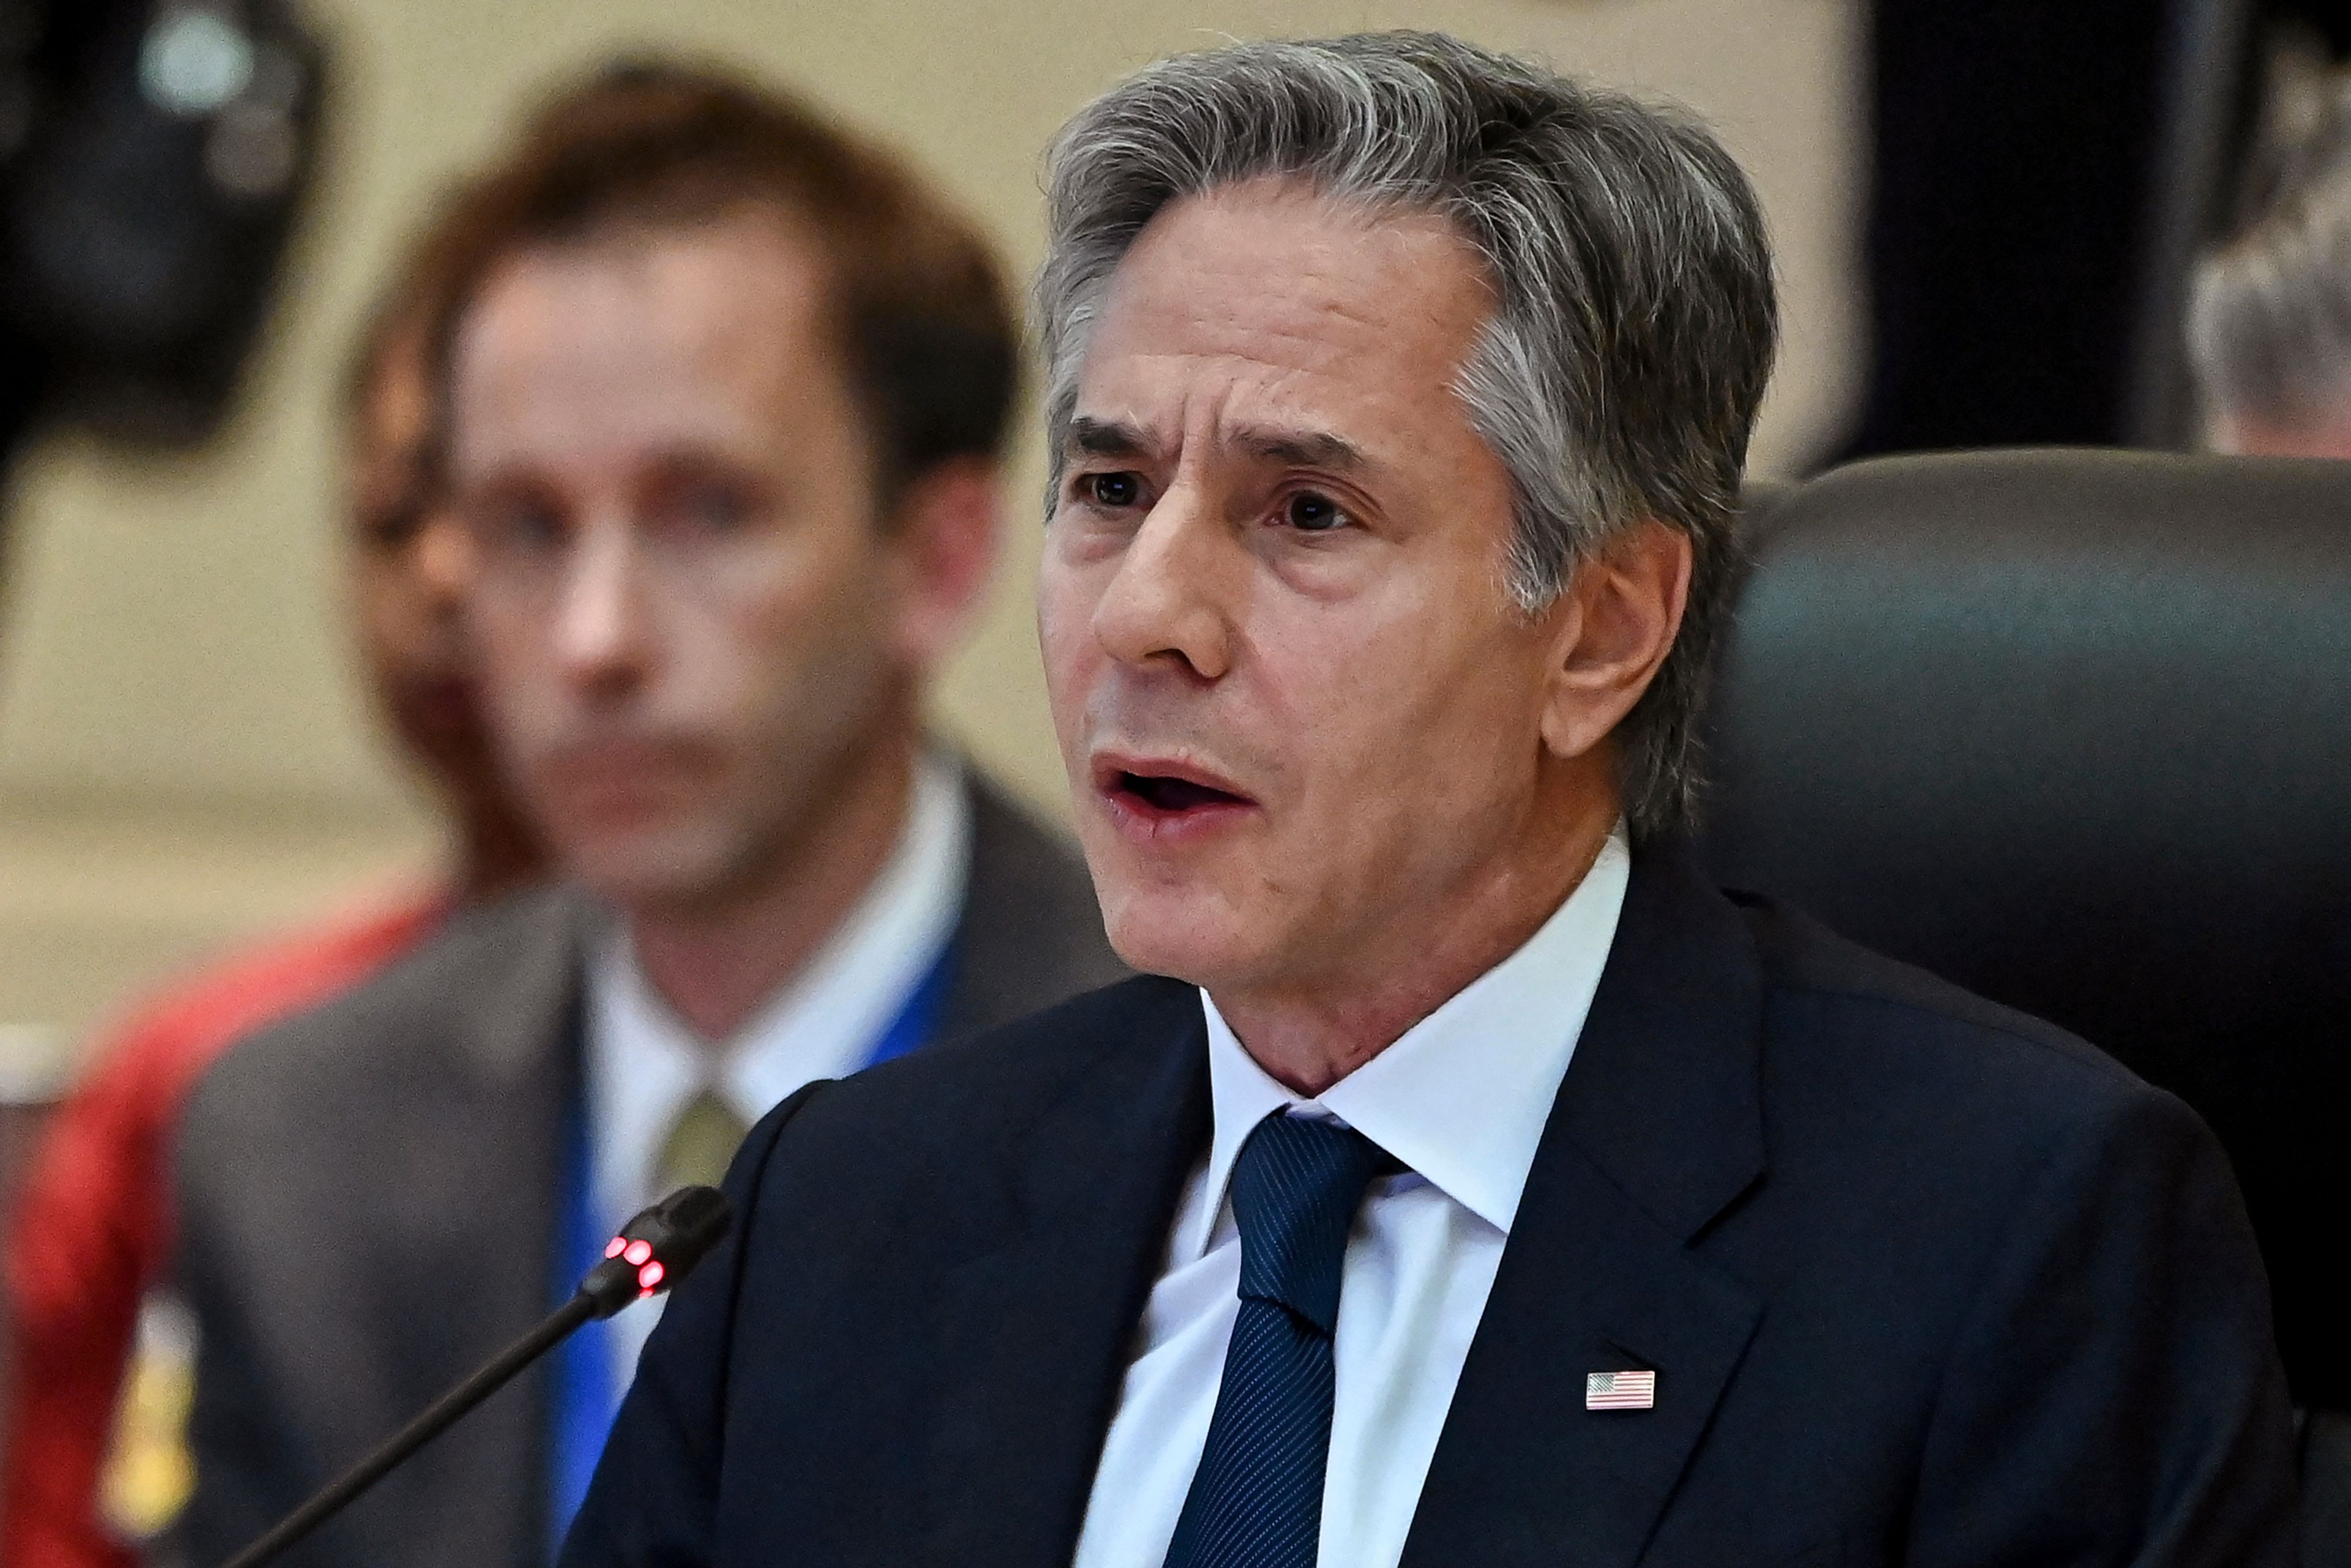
1195,938
652,870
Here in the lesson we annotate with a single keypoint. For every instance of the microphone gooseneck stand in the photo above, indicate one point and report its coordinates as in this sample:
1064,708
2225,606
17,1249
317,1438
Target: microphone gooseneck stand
651,1253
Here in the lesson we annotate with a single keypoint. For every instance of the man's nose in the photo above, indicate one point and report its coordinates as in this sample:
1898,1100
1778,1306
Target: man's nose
1168,600
444,562
603,630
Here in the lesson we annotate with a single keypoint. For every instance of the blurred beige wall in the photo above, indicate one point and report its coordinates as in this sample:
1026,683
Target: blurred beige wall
184,757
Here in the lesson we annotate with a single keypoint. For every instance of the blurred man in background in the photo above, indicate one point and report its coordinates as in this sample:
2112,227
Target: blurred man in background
2269,321
725,407
92,1235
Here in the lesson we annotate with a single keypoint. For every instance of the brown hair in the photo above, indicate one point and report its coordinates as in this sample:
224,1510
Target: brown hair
395,336
919,305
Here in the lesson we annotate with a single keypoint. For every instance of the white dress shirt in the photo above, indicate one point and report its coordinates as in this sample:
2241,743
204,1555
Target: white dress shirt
643,1064
1461,1098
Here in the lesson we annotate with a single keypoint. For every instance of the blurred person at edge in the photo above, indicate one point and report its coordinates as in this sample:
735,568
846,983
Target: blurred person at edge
726,406
2269,327
92,1235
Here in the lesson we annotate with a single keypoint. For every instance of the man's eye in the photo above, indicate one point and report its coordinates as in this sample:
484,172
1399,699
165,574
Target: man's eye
524,526
389,532
715,509
1312,513
1113,490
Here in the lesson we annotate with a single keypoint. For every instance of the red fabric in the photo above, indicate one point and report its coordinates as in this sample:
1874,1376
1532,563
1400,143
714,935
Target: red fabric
92,1232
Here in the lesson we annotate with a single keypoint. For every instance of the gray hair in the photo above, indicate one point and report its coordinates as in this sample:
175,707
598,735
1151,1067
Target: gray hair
1634,318
2269,323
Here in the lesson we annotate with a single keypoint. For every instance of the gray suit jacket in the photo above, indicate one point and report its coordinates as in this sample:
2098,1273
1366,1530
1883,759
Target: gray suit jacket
367,1205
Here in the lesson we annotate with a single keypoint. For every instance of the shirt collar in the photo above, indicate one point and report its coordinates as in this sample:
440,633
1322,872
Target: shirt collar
645,1063
1462,1096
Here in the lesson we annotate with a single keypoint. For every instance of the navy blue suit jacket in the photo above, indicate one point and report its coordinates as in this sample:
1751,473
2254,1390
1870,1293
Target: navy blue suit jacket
1924,1281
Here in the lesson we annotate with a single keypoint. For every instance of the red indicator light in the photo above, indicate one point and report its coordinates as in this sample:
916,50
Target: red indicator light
612,1247
638,1252
650,1276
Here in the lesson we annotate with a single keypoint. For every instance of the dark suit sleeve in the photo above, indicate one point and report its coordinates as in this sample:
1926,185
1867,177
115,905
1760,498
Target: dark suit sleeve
2115,1397
656,1492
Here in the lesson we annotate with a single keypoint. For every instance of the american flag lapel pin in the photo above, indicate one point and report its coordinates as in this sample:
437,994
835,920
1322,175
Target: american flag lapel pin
1620,1391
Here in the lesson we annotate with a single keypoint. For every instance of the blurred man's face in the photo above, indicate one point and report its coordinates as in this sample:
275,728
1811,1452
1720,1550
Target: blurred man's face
409,573
684,595
1301,713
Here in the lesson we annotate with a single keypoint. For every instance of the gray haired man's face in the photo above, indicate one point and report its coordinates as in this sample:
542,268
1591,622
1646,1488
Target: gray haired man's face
1310,734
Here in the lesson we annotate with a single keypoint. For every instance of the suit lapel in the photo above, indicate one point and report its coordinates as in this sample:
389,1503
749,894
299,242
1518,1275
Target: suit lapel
1032,1339
991,947
514,1068
1657,1130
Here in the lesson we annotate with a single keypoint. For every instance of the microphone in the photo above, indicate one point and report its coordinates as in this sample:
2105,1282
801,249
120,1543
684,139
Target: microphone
652,1252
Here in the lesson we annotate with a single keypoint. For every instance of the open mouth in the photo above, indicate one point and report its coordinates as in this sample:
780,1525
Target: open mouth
1158,795
1164,793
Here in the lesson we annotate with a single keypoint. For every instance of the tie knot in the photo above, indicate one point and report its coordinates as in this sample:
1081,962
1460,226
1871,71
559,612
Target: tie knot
1296,1187
700,1143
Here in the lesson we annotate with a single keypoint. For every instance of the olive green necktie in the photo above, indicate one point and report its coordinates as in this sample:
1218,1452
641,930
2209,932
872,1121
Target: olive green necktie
700,1143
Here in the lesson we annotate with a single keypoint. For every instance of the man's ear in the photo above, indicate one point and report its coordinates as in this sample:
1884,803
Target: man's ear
943,538
1614,627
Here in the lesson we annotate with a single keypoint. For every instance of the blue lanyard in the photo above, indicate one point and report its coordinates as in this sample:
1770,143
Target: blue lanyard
582,1399
585,1395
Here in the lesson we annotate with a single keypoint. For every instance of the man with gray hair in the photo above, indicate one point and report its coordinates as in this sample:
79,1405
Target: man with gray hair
2269,326
1481,1187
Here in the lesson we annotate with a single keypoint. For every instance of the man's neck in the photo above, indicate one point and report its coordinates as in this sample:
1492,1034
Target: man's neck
716,963
1308,1036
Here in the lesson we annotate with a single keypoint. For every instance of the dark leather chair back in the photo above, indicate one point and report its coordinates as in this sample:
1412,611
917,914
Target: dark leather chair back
2074,731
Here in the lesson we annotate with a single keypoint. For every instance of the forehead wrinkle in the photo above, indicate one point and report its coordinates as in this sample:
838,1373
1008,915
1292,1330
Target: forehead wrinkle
1310,372
1206,426
1301,448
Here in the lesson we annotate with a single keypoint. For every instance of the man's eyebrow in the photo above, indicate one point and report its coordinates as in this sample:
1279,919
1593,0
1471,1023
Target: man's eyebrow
1301,448
1267,443
1108,438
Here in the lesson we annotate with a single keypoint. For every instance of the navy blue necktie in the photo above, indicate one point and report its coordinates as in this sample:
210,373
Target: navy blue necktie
1256,1498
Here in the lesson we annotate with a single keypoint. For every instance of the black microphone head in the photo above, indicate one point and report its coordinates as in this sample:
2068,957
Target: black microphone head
658,1248
695,1219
